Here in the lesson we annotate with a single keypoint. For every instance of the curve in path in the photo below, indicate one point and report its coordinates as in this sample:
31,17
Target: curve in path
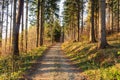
55,66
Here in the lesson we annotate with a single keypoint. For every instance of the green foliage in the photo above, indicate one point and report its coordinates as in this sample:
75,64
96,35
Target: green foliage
118,53
22,64
111,73
53,29
50,8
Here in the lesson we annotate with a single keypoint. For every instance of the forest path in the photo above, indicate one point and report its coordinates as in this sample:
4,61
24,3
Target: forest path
55,66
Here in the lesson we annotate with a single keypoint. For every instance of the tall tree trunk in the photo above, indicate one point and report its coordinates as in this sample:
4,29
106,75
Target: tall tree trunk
6,26
22,29
78,20
0,37
63,36
51,27
74,32
112,23
38,23
26,26
17,26
118,29
1,25
96,25
11,25
82,17
73,27
14,44
41,23
0,34
92,30
102,25
108,17
70,32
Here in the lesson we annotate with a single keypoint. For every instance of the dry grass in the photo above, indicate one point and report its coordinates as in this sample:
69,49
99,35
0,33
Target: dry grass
96,63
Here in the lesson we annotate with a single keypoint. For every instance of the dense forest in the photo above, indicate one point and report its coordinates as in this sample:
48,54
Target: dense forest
88,32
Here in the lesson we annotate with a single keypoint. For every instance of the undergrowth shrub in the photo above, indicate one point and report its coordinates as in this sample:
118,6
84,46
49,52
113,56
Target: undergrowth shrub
11,69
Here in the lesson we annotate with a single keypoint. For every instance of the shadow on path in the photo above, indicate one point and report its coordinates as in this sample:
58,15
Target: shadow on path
54,65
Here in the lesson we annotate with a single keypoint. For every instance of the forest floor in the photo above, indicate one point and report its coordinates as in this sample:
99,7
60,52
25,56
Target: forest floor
96,64
54,65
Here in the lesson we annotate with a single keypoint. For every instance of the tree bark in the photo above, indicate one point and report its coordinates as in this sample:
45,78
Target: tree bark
102,25
6,26
118,17
26,25
22,29
51,27
38,23
41,23
92,30
82,24
17,26
1,25
14,30
112,23
108,17
11,25
78,20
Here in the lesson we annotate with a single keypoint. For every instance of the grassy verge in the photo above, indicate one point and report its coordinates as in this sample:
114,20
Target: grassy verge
22,64
97,64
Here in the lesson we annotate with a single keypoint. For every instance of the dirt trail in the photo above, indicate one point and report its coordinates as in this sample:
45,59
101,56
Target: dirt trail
55,66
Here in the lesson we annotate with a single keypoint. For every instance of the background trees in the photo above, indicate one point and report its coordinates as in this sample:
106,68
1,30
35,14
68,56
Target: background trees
17,26
79,16
72,18
96,21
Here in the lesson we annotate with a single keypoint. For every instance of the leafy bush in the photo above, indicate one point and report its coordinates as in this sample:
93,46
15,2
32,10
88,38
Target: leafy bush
20,65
